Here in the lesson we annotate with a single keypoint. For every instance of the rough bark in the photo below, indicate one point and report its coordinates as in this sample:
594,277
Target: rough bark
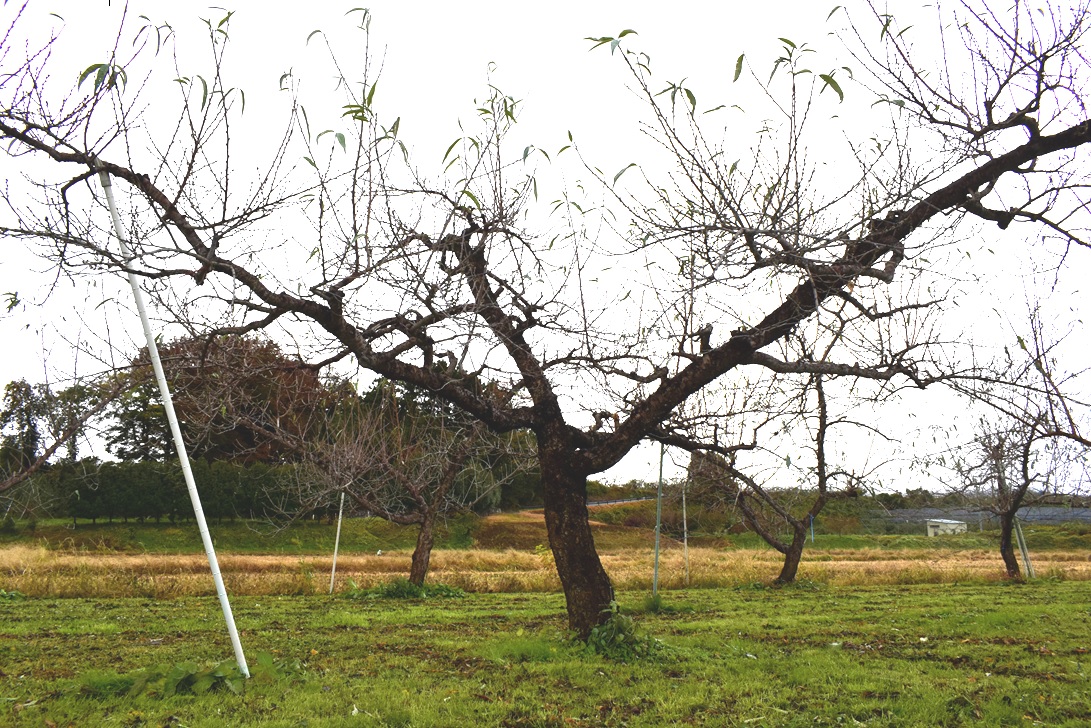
1007,545
587,589
792,555
422,553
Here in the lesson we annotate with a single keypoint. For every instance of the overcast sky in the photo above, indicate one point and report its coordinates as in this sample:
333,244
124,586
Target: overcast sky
437,58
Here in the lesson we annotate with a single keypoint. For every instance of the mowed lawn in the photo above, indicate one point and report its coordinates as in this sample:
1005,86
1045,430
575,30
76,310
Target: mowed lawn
983,653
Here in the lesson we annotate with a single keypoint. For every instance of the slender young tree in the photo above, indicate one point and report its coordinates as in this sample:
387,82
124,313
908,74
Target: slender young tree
344,245
1029,447
769,511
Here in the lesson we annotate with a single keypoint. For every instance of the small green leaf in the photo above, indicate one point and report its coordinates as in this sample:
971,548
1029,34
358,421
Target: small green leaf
598,41
835,9
310,161
90,69
371,94
738,67
895,102
473,197
832,84
312,34
341,140
204,92
306,122
886,26
356,112
692,99
448,152
623,170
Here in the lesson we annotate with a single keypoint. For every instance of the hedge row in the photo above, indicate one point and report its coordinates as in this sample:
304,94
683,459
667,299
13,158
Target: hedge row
147,490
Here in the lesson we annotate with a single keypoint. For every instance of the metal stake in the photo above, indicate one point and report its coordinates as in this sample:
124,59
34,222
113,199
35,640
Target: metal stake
658,521
337,539
176,432
1023,549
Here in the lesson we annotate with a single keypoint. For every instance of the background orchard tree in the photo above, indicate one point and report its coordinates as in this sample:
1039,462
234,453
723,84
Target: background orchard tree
37,424
409,458
717,260
770,511
1029,447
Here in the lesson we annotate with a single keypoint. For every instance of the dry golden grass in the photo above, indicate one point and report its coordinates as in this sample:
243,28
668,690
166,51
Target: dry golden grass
36,571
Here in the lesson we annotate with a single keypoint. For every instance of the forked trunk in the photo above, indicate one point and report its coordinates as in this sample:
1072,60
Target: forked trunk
587,589
793,555
1007,546
418,569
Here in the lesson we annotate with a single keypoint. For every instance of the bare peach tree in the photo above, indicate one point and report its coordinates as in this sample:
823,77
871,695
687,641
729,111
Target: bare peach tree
407,462
445,281
772,507
1029,446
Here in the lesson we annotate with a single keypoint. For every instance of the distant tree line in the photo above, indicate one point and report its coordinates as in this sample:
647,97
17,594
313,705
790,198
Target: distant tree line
254,421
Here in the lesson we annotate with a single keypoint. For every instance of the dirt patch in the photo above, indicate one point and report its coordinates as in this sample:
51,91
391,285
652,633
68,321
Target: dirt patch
522,531
526,530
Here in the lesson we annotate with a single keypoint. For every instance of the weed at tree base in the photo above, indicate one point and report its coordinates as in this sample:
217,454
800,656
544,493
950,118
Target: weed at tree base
619,639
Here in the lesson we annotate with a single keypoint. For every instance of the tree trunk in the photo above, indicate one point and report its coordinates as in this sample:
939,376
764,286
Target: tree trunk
1007,546
418,569
793,554
587,589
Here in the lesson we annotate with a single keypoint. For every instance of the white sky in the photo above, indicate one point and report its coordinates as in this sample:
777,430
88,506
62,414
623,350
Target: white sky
436,59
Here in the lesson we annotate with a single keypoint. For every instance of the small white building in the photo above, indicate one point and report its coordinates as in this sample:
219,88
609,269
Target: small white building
945,527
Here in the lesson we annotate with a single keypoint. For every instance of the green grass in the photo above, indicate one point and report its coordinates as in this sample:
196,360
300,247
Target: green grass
935,655
304,537
372,534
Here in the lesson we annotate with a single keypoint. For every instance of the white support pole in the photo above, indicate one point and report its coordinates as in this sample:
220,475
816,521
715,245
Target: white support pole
1023,549
658,521
337,540
685,529
172,418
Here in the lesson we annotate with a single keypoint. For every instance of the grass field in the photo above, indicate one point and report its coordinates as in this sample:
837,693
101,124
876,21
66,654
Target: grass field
881,631
912,655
